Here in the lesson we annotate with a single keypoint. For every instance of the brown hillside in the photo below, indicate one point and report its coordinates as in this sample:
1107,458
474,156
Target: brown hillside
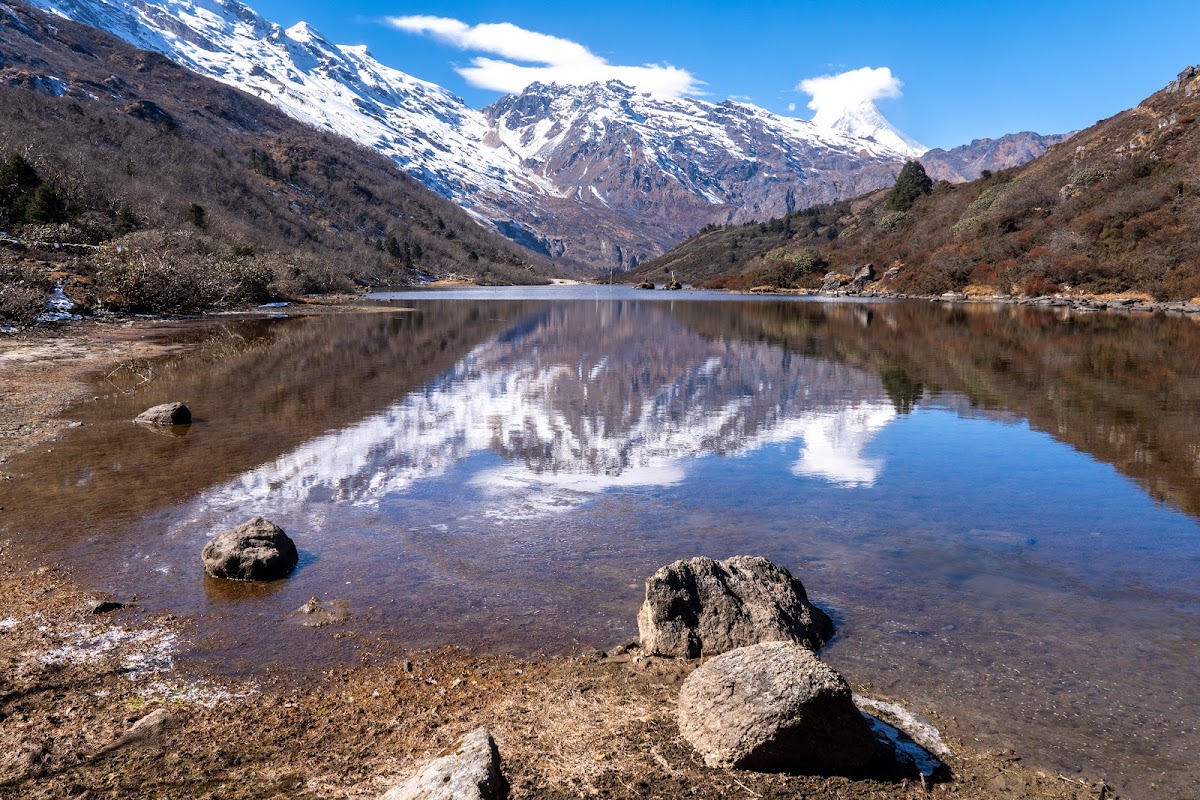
132,145
1114,209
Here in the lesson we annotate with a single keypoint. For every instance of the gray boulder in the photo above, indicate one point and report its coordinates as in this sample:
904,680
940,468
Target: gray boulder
703,607
775,707
257,550
166,414
471,771
862,278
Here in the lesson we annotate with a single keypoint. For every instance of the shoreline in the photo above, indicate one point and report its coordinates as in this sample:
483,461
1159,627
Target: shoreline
566,726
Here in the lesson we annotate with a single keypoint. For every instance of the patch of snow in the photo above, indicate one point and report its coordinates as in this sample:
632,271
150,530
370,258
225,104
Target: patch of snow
141,652
58,307
922,733
9,622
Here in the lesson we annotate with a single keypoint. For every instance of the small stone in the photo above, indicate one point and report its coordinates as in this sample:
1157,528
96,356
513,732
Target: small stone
407,667
104,606
166,414
471,771
257,550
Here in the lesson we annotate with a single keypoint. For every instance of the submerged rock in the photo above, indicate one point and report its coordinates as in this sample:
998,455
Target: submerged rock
775,707
257,550
471,771
703,607
166,414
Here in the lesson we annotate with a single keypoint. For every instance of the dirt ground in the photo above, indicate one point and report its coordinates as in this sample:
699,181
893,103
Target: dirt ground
73,682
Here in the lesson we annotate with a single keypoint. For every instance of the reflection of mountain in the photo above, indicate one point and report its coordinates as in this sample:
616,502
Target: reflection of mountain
1125,389
582,398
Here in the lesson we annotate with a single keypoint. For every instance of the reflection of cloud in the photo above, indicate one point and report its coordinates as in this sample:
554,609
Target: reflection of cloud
834,443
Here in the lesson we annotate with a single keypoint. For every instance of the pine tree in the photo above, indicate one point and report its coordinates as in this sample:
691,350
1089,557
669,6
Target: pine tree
911,183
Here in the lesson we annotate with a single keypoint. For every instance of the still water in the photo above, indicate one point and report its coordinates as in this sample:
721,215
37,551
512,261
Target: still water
998,506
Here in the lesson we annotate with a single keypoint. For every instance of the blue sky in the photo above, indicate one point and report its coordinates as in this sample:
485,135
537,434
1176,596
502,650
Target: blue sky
968,69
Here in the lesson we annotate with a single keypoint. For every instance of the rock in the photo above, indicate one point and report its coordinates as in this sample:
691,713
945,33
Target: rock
166,414
471,771
257,550
645,285
834,281
703,607
147,728
97,606
315,614
775,707
892,273
862,277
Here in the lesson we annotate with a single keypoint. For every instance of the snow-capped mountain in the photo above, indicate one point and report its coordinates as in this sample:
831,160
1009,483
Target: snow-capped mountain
599,175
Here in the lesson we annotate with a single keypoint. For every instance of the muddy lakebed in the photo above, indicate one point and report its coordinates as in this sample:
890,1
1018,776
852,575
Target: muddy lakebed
998,505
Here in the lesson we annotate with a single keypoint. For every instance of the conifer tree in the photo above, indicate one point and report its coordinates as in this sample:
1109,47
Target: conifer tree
911,183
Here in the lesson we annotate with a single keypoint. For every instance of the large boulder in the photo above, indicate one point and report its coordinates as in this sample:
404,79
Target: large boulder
775,707
257,550
703,607
469,772
166,414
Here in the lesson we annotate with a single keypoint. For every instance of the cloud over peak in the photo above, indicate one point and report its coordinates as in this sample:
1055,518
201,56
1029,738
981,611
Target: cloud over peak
527,56
833,95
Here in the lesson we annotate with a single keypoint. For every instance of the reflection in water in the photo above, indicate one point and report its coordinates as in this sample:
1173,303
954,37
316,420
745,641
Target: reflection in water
590,412
990,500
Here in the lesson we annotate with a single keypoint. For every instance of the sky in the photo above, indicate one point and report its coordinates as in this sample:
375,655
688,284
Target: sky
945,73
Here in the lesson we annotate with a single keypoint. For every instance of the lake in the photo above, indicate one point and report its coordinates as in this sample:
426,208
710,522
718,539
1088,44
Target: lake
998,505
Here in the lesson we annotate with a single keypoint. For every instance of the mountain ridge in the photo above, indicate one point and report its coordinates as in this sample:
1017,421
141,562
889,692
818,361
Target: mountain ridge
473,158
1112,210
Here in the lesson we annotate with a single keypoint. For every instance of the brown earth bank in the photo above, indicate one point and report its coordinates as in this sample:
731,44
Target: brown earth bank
72,683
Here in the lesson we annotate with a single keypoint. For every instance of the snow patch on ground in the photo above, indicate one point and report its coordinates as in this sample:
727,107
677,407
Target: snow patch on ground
922,733
139,653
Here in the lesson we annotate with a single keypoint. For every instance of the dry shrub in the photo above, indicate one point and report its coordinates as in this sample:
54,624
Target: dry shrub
24,291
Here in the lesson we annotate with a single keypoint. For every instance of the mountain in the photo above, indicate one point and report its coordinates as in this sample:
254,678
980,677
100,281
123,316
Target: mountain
1116,208
598,176
969,161
144,158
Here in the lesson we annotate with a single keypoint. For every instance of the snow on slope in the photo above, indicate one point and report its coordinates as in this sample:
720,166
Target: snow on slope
516,163
428,131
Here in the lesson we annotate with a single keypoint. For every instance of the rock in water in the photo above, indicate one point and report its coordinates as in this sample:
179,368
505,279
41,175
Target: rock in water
704,607
469,772
775,707
257,550
166,414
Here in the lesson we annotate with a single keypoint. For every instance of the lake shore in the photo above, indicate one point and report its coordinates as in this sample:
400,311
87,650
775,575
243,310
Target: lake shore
587,725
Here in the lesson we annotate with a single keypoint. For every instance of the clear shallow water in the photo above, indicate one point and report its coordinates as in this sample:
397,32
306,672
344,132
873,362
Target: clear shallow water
998,505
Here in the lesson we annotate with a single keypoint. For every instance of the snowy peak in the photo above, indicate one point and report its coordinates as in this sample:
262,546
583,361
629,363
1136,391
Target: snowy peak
599,176
864,120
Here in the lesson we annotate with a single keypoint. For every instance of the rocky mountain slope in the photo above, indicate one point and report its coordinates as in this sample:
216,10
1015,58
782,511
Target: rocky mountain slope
140,157
598,177
1114,209
969,161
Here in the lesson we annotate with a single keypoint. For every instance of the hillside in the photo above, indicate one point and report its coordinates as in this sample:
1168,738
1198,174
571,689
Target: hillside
175,192
596,177
1114,209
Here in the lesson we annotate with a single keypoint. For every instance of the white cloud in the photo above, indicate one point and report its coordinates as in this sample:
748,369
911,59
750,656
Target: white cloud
791,106
528,56
833,94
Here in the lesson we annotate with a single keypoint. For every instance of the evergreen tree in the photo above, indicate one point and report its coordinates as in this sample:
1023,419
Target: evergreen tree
911,183
45,205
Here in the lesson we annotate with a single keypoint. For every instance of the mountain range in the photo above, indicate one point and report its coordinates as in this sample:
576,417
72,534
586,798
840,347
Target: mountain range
1113,210
596,177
